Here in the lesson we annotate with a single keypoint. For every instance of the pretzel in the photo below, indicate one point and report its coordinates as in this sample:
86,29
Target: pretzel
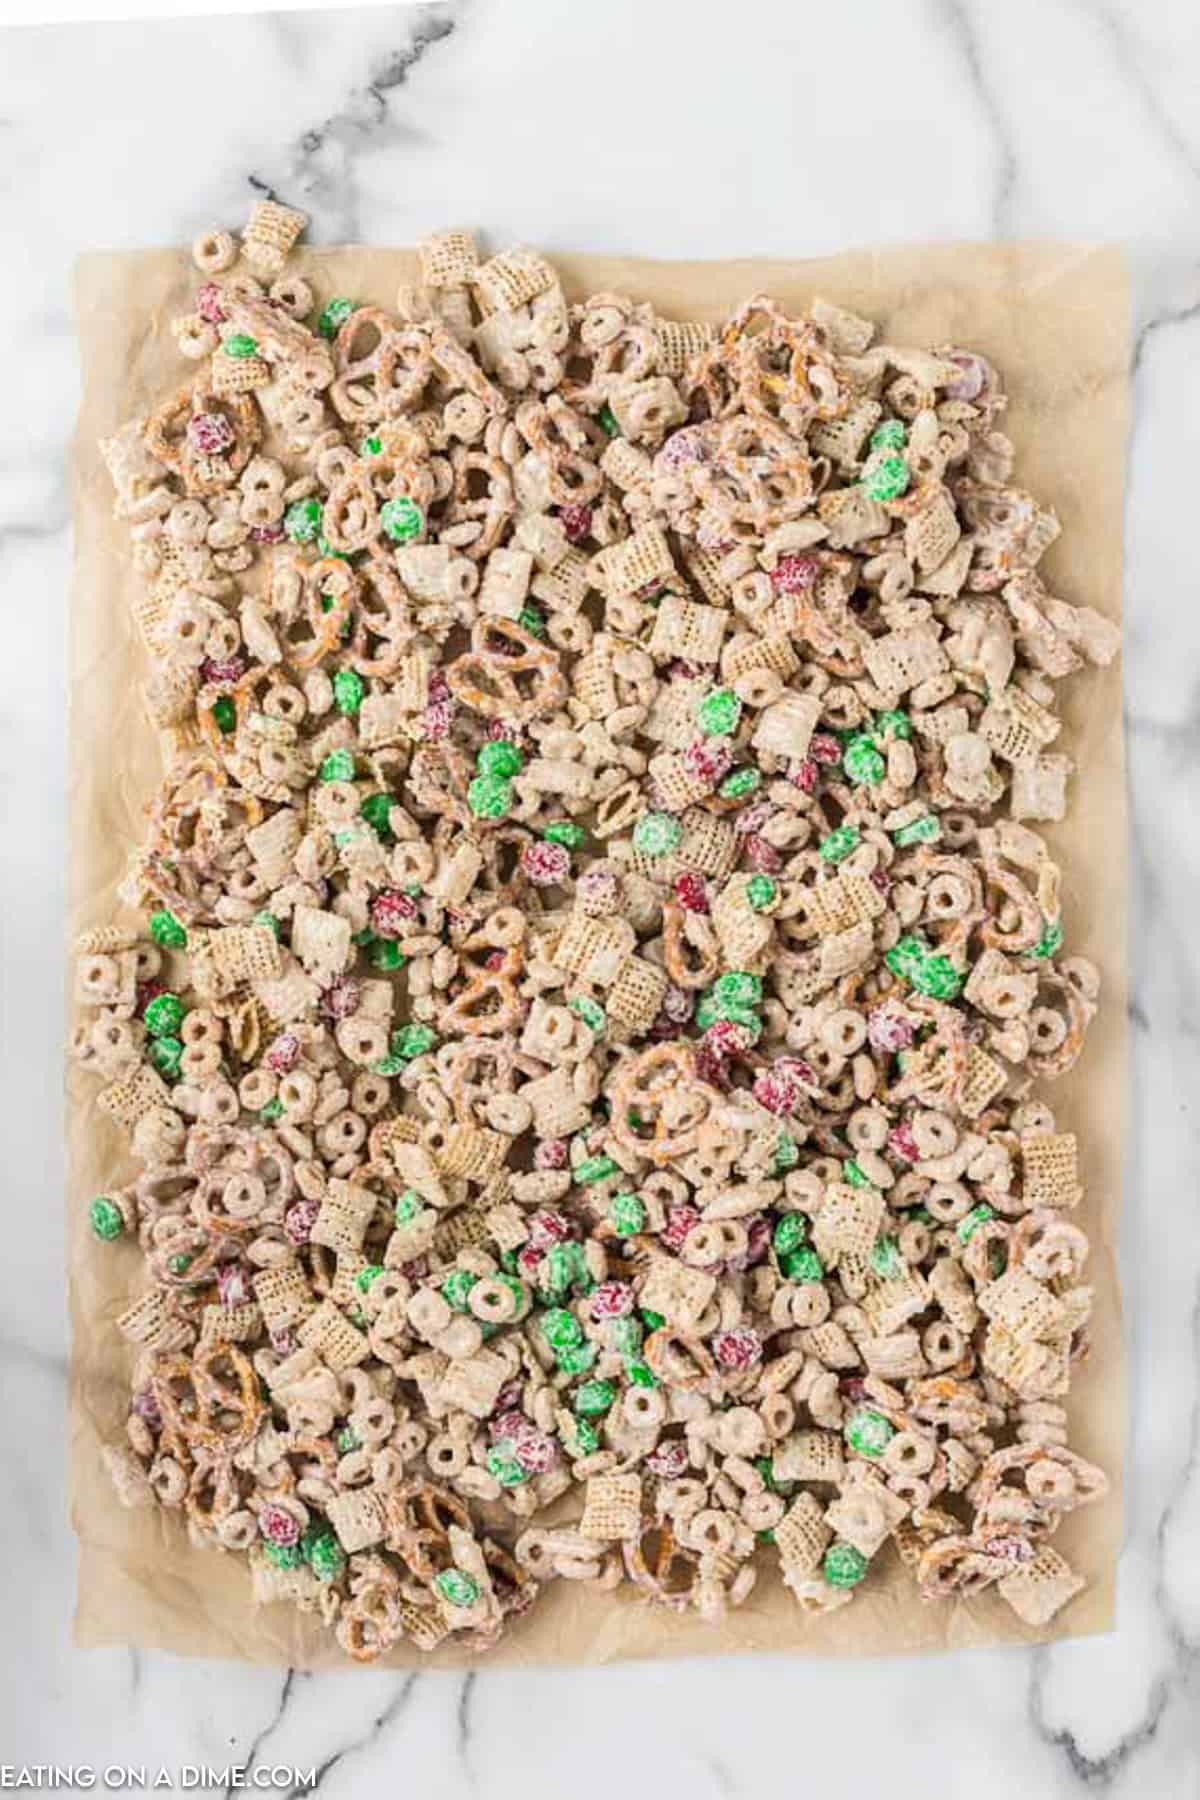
663,1079
466,1082
683,1361
682,934
661,1567
208,1415
372,1621
350,519
487,1005
1079,1011
354,394
485,515
200,473
485,678
419,1517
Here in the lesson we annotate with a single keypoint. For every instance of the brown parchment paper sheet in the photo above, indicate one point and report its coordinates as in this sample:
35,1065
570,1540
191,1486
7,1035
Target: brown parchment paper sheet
1054,318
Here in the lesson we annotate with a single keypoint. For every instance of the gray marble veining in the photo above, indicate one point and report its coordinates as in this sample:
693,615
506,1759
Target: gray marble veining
666,129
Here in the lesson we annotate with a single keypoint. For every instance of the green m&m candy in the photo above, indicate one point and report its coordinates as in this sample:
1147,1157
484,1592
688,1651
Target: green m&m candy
639,1373
166,930
555,1272
348,691
712,1008
164,1015
1050,941
576,1359
868,1432
592,1398
577,1258
853,1176
386,955
334,314
457,1588
801,1265
412,1040
627,1214
402,519
894,723
906,957
585,1439
593,1016
608,421
718,713
766,1469
240,346
489,796
741,783
302,520
787,1154
560,1328
789,1233
269,920
499,757
760,892
886,1260
844,1566
502,1464
457,1287
891,435
337,766
921,831
625,1335
166,1054
107,1220
594,1168
365,1277
657,833
862,761
224,714
408,1206
370,446
376,809
886,477
283,1556
566,833
967,1227
531,619
738,987
937,978
838,844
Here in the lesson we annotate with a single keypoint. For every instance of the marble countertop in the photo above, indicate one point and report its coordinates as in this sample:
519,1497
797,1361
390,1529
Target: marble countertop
676,130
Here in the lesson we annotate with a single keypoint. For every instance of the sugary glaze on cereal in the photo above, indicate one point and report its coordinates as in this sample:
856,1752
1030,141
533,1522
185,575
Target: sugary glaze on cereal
594,968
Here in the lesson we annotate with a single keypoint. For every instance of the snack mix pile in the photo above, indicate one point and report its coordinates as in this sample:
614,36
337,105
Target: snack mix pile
593,964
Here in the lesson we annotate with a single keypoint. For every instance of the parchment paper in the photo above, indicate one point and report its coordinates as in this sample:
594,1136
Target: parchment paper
1054,318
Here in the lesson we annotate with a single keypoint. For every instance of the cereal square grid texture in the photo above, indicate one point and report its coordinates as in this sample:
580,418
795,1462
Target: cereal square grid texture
969,1621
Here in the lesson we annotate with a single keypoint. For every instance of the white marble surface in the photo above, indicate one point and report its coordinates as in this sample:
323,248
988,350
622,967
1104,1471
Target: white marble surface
647,126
